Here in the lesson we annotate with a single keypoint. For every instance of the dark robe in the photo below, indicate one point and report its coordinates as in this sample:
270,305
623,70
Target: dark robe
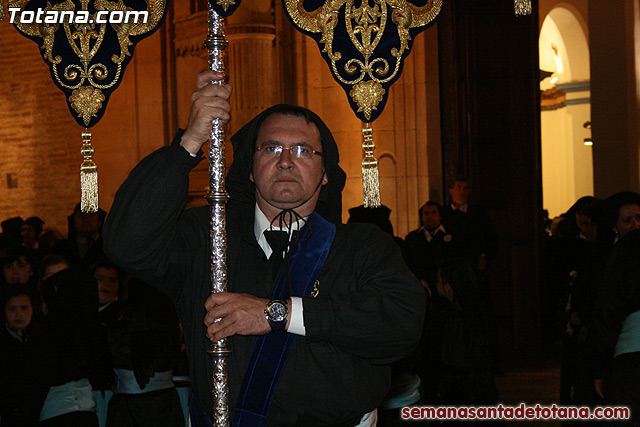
479,239
478,233
22,389
425,257
368,312
618,298
144,337
71,333
70,250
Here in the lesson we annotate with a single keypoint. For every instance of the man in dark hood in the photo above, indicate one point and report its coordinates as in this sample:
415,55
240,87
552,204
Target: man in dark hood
319,315
329,203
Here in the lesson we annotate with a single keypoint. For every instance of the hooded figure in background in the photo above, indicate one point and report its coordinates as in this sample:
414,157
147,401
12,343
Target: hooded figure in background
312,338
83,246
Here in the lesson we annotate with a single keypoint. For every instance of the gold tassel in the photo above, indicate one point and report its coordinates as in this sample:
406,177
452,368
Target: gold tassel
88,176
522,7
370,176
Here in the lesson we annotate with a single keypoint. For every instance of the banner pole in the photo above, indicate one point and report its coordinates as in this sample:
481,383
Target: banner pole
216,44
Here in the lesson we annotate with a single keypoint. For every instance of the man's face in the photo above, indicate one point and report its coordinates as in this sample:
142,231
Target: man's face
18,312
628,219
18,271
588,228
86,224
430,217
460,193
107,279
28,234
284,182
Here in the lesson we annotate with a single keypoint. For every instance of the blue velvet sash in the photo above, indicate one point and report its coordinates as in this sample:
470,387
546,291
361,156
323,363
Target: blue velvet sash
271,351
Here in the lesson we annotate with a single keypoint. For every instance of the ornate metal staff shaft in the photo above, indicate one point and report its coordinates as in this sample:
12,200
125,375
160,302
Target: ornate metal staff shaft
217,197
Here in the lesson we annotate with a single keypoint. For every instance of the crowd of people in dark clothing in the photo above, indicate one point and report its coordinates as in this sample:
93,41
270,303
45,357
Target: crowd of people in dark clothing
457,358
592,281
79,332
591,287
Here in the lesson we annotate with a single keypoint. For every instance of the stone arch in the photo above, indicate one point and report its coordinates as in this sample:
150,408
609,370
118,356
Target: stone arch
567,163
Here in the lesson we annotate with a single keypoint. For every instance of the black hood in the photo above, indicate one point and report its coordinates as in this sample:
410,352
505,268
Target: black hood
72,233
242,190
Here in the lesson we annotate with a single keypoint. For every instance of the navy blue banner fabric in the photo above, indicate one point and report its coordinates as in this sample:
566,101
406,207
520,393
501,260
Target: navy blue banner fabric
87,56
271,351
224,8
364,42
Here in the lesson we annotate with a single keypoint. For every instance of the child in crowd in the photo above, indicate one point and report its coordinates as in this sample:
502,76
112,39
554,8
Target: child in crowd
22,391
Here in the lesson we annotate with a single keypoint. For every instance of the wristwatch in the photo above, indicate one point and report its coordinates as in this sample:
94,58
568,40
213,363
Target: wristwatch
276,313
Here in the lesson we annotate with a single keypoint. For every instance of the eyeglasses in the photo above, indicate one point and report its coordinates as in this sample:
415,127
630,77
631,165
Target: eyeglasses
296,152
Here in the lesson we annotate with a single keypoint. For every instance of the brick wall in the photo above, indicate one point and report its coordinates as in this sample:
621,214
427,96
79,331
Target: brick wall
39,141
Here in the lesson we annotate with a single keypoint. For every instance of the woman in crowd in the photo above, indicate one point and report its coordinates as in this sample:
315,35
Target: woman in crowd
22,390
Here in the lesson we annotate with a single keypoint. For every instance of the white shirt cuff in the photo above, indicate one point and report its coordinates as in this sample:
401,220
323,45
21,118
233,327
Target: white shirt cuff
296,324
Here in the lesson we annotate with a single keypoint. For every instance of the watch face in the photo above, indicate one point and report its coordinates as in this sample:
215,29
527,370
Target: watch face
277,311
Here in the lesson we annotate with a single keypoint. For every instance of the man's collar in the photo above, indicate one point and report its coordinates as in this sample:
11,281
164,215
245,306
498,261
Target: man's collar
462,208
262,223
430,234
440,228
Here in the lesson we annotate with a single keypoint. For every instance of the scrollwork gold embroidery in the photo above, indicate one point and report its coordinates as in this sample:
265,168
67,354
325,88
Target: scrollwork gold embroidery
86,39
86,101
367,95
365,26
225,4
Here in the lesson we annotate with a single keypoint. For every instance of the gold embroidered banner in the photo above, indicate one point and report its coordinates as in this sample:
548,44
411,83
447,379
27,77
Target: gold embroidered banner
87,44
224,8
364,42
